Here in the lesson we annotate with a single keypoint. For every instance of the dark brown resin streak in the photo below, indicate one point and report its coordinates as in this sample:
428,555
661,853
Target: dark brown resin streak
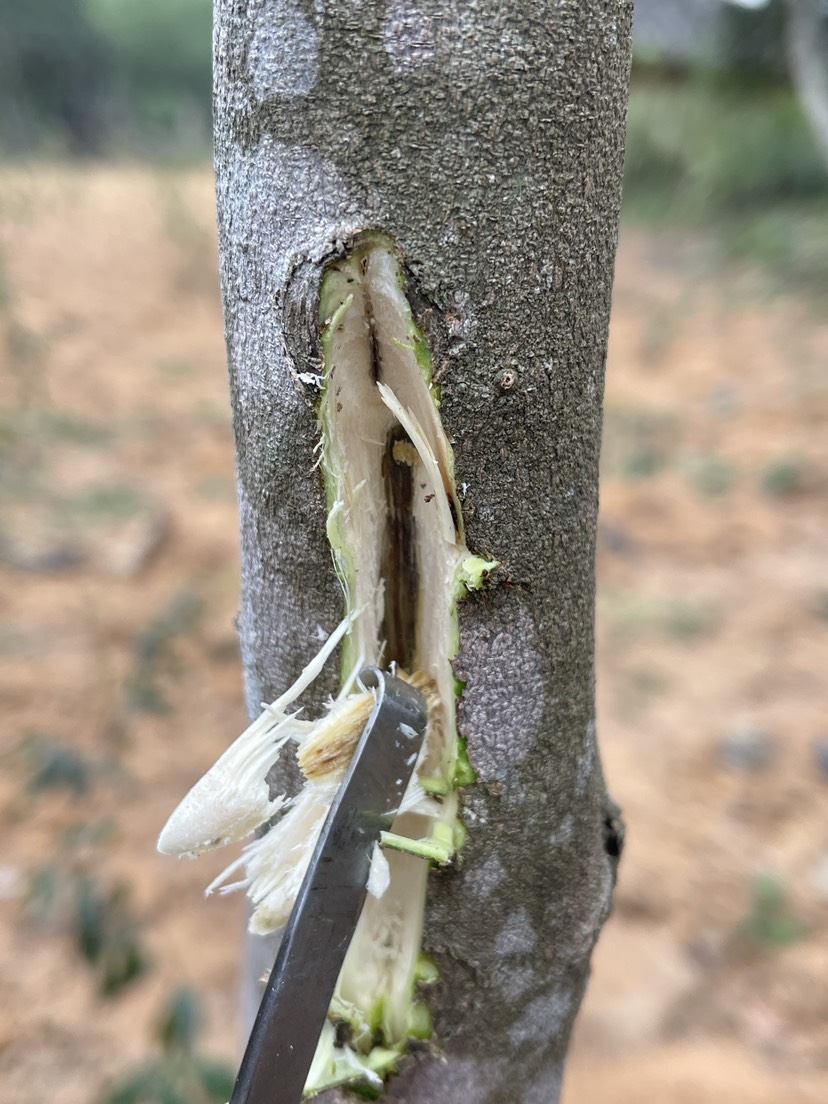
399,559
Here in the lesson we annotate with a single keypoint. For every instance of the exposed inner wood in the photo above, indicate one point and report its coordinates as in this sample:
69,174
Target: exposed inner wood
396,534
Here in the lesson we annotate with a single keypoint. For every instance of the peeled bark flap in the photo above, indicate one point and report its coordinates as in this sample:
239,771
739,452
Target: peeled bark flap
486,139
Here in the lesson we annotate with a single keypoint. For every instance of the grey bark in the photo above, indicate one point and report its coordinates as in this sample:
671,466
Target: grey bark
809,67
487,137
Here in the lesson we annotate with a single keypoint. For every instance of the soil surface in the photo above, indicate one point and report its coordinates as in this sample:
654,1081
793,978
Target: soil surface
120,676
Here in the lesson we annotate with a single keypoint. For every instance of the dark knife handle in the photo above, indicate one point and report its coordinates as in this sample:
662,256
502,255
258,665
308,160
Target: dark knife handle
298,994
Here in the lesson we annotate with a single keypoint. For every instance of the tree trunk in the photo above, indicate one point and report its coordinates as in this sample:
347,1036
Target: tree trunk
486,139
809,68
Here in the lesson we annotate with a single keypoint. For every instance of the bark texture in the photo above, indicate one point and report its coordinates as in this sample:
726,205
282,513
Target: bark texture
486,137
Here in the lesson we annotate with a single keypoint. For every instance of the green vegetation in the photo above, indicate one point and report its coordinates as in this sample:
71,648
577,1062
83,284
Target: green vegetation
55,767
106,934
628,616
770,922
54,66
154,655
727,144
180,1075
685,621
733,154
104,502
65,895
711,475
712,145
70,896
784,476
106,76
638,443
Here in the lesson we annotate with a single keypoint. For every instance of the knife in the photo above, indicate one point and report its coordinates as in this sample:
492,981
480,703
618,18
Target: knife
290,1019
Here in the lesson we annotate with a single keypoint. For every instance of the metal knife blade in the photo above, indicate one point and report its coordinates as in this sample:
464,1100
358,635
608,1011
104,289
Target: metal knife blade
298,993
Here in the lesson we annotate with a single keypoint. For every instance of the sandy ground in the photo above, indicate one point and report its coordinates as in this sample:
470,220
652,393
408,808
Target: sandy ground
120,678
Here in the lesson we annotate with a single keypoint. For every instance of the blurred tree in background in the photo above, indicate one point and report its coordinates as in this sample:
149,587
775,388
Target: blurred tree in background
714,119
105,76
161,77
54,69
717,136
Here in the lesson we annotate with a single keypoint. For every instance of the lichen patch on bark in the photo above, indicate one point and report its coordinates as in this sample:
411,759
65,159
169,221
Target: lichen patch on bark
502,716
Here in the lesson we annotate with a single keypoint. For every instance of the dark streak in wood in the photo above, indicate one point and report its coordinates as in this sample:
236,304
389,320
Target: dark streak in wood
399,568
374,357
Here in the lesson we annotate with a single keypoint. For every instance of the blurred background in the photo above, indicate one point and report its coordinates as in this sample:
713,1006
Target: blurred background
120,676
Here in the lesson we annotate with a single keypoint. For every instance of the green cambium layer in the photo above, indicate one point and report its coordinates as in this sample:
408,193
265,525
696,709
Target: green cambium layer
379,1031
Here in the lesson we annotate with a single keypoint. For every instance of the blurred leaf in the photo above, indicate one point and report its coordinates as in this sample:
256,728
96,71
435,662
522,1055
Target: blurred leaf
181,1079
106,502
47,885
145,1084
688,622
218,1079
106,935
711,475
122,962
93,833
56,767
90,919
25,346
637,443
169,1081
144,693
784,476
181,616
180,1022
60,426
771,922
